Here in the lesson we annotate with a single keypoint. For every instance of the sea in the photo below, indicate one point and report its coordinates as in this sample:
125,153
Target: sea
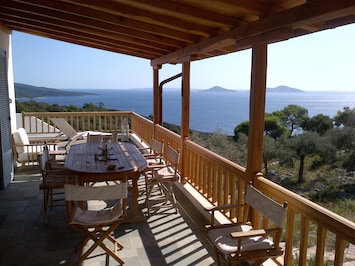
209,111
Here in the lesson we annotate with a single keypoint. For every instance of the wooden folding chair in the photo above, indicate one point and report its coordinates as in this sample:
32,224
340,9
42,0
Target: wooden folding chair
96,138
246,241
54,176
163,176
154,153
97,224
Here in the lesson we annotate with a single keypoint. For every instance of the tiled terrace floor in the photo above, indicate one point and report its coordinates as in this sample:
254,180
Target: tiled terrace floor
165,239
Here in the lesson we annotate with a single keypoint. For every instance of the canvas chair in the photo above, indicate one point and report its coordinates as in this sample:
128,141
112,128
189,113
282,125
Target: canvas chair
162,176
94,138
26,150
54,176
154,153
244,241
97,224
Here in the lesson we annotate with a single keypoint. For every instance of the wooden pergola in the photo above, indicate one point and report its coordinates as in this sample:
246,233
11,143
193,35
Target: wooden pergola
180,32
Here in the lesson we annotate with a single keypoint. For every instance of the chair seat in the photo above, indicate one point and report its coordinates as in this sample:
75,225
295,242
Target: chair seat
90,217
223,240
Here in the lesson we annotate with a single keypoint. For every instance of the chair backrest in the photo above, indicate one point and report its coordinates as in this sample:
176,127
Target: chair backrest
94,138
85,193
64,126
156,147
20,137
266,206
172,157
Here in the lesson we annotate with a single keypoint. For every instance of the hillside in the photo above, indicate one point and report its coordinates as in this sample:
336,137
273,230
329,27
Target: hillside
28,91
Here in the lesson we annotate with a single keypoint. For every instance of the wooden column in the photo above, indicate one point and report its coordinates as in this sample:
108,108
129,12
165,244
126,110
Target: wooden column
257,109
156,96
185,111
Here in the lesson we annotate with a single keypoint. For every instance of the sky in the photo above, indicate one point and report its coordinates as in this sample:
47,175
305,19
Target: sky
323,61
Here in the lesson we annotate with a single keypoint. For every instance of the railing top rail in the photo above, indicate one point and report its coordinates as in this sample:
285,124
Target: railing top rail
332,221
75,113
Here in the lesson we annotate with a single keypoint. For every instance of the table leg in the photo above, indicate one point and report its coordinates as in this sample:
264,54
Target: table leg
135,215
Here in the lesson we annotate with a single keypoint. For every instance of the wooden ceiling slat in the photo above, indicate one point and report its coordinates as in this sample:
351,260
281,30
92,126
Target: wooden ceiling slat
82,30
172,31
305,14
70,20
200,16
128,15
85,42
21,26
126,25
254,7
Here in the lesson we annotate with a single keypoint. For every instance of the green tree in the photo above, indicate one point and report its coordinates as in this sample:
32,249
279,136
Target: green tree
292,116
273,127
243,128
303,145
343,138
270,152
319,123
345,118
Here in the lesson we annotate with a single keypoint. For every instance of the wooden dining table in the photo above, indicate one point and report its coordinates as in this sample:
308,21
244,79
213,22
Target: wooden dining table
122,160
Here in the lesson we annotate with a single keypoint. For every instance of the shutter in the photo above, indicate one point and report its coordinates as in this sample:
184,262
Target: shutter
6,157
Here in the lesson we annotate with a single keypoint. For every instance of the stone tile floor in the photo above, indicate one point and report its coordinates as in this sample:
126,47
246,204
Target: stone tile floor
166,238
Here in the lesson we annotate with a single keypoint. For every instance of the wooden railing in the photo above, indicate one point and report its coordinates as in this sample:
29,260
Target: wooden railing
39,123
221,181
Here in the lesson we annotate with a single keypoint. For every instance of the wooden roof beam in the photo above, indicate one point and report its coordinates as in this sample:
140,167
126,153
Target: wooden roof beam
129,13
305,14
70,20
86,11
258,8
82,30
90,40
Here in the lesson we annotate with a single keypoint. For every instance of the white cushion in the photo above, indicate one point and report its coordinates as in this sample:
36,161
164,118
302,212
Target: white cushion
223,240
21,138
90,217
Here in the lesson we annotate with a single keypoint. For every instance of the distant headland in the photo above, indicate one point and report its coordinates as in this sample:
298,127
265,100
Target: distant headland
281,88
29,91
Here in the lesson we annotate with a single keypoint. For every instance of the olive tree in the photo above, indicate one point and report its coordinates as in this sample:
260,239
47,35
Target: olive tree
292,116
303,145
319,123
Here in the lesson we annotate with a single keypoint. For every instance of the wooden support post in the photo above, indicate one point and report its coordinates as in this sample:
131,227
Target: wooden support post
157,112
257,110
185,110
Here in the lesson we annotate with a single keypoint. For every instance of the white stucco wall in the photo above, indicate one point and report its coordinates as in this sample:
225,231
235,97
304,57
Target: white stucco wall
5,43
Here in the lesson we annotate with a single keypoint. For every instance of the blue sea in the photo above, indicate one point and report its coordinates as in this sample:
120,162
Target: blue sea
210,111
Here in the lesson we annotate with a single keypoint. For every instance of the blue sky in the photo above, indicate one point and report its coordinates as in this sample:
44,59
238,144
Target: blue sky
323,61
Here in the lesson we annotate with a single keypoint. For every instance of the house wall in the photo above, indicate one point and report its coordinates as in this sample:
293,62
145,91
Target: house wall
5,43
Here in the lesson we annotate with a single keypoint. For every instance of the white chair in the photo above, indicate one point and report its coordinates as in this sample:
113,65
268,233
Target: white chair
97,224
25,150
245,241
